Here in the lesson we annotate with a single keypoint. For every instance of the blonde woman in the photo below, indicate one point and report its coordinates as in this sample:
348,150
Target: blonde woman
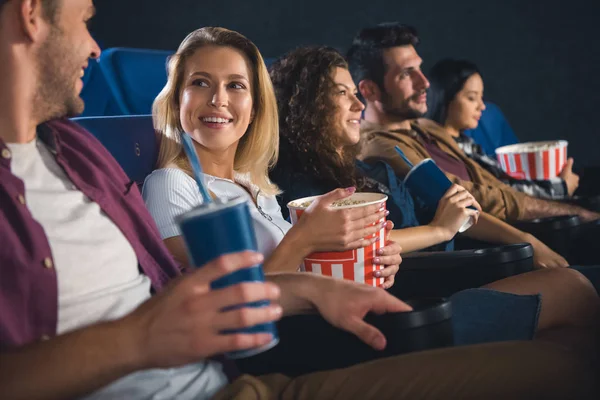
219,92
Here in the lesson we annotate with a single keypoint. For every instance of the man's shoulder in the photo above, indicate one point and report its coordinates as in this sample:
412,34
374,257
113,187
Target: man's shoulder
65,127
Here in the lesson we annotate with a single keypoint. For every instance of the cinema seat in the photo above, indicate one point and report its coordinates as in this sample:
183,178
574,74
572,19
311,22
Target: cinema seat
96,94
493,130
135,77
129,138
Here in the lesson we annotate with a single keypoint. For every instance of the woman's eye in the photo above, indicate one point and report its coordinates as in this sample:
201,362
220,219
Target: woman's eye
237,85
342,92
199,82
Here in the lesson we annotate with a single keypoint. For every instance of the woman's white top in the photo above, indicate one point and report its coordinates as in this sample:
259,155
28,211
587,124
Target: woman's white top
169,192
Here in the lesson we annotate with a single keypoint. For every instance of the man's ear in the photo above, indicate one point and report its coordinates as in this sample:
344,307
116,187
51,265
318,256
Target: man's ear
33,23
369,90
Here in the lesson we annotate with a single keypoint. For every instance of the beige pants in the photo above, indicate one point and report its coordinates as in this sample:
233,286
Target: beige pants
510,370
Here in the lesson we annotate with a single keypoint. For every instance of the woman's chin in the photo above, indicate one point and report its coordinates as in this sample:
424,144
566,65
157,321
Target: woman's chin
470,126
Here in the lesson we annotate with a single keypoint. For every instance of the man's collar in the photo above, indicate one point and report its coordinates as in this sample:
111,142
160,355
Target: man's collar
48,135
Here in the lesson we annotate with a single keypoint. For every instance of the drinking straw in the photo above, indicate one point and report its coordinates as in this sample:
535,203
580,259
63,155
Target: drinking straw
401,154
190,152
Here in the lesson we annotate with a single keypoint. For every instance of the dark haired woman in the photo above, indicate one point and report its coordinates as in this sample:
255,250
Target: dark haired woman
455,101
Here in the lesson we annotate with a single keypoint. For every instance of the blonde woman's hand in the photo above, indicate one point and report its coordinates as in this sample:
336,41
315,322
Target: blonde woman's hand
323,227
344,304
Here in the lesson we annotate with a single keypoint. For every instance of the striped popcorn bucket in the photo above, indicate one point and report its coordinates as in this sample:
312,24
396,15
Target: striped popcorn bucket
355,265
533,160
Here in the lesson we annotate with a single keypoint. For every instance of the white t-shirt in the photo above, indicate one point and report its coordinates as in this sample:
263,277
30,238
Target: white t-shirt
97,273
169,192
96,267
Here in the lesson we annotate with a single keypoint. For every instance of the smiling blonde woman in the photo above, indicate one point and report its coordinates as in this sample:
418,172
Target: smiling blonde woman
219,92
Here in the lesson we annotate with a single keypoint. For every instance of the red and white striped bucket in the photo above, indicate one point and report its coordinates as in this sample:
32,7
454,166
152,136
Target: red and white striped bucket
355,265
533,160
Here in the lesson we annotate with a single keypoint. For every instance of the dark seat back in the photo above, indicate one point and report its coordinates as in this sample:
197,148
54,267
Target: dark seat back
135,77
129,138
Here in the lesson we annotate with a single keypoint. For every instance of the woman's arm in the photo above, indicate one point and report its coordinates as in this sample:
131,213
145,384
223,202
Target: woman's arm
288,255
491,229
419,237
450,215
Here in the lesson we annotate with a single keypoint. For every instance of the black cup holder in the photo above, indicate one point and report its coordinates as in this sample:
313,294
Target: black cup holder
308,343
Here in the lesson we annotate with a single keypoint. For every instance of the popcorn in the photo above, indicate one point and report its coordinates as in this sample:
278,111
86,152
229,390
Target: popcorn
339,203
533,160
355,265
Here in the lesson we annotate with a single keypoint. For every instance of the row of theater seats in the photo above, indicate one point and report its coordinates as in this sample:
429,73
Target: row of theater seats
125,81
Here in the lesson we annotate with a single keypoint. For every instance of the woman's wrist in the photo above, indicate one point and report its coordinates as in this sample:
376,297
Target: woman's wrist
441,233
299,240
528,238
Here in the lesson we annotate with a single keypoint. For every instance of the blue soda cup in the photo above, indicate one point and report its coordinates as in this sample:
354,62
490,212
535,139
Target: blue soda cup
427,181
212,230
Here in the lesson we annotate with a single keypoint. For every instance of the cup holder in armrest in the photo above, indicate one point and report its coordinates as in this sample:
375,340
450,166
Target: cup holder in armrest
441,274
308,343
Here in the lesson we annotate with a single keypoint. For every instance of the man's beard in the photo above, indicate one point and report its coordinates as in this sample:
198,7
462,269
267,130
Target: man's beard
57,68
403,111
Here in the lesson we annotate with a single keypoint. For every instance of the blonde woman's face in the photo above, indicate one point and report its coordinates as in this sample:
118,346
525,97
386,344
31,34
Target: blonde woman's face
216,97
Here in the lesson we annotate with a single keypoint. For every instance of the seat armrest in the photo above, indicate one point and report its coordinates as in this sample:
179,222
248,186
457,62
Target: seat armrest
308,343
441,274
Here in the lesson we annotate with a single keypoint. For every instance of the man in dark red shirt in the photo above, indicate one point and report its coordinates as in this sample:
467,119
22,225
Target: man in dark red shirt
84,304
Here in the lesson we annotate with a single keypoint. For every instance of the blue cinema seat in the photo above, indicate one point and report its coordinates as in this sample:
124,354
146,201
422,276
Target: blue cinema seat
493,130
269,61
96,94
135,77
129,138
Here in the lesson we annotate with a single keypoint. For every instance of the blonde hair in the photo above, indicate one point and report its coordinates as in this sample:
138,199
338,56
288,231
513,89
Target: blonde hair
258,149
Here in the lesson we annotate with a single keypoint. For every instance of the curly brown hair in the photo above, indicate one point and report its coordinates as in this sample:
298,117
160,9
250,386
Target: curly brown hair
303,84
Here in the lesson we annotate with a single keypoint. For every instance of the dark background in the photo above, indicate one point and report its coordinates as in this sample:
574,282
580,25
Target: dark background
539,58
